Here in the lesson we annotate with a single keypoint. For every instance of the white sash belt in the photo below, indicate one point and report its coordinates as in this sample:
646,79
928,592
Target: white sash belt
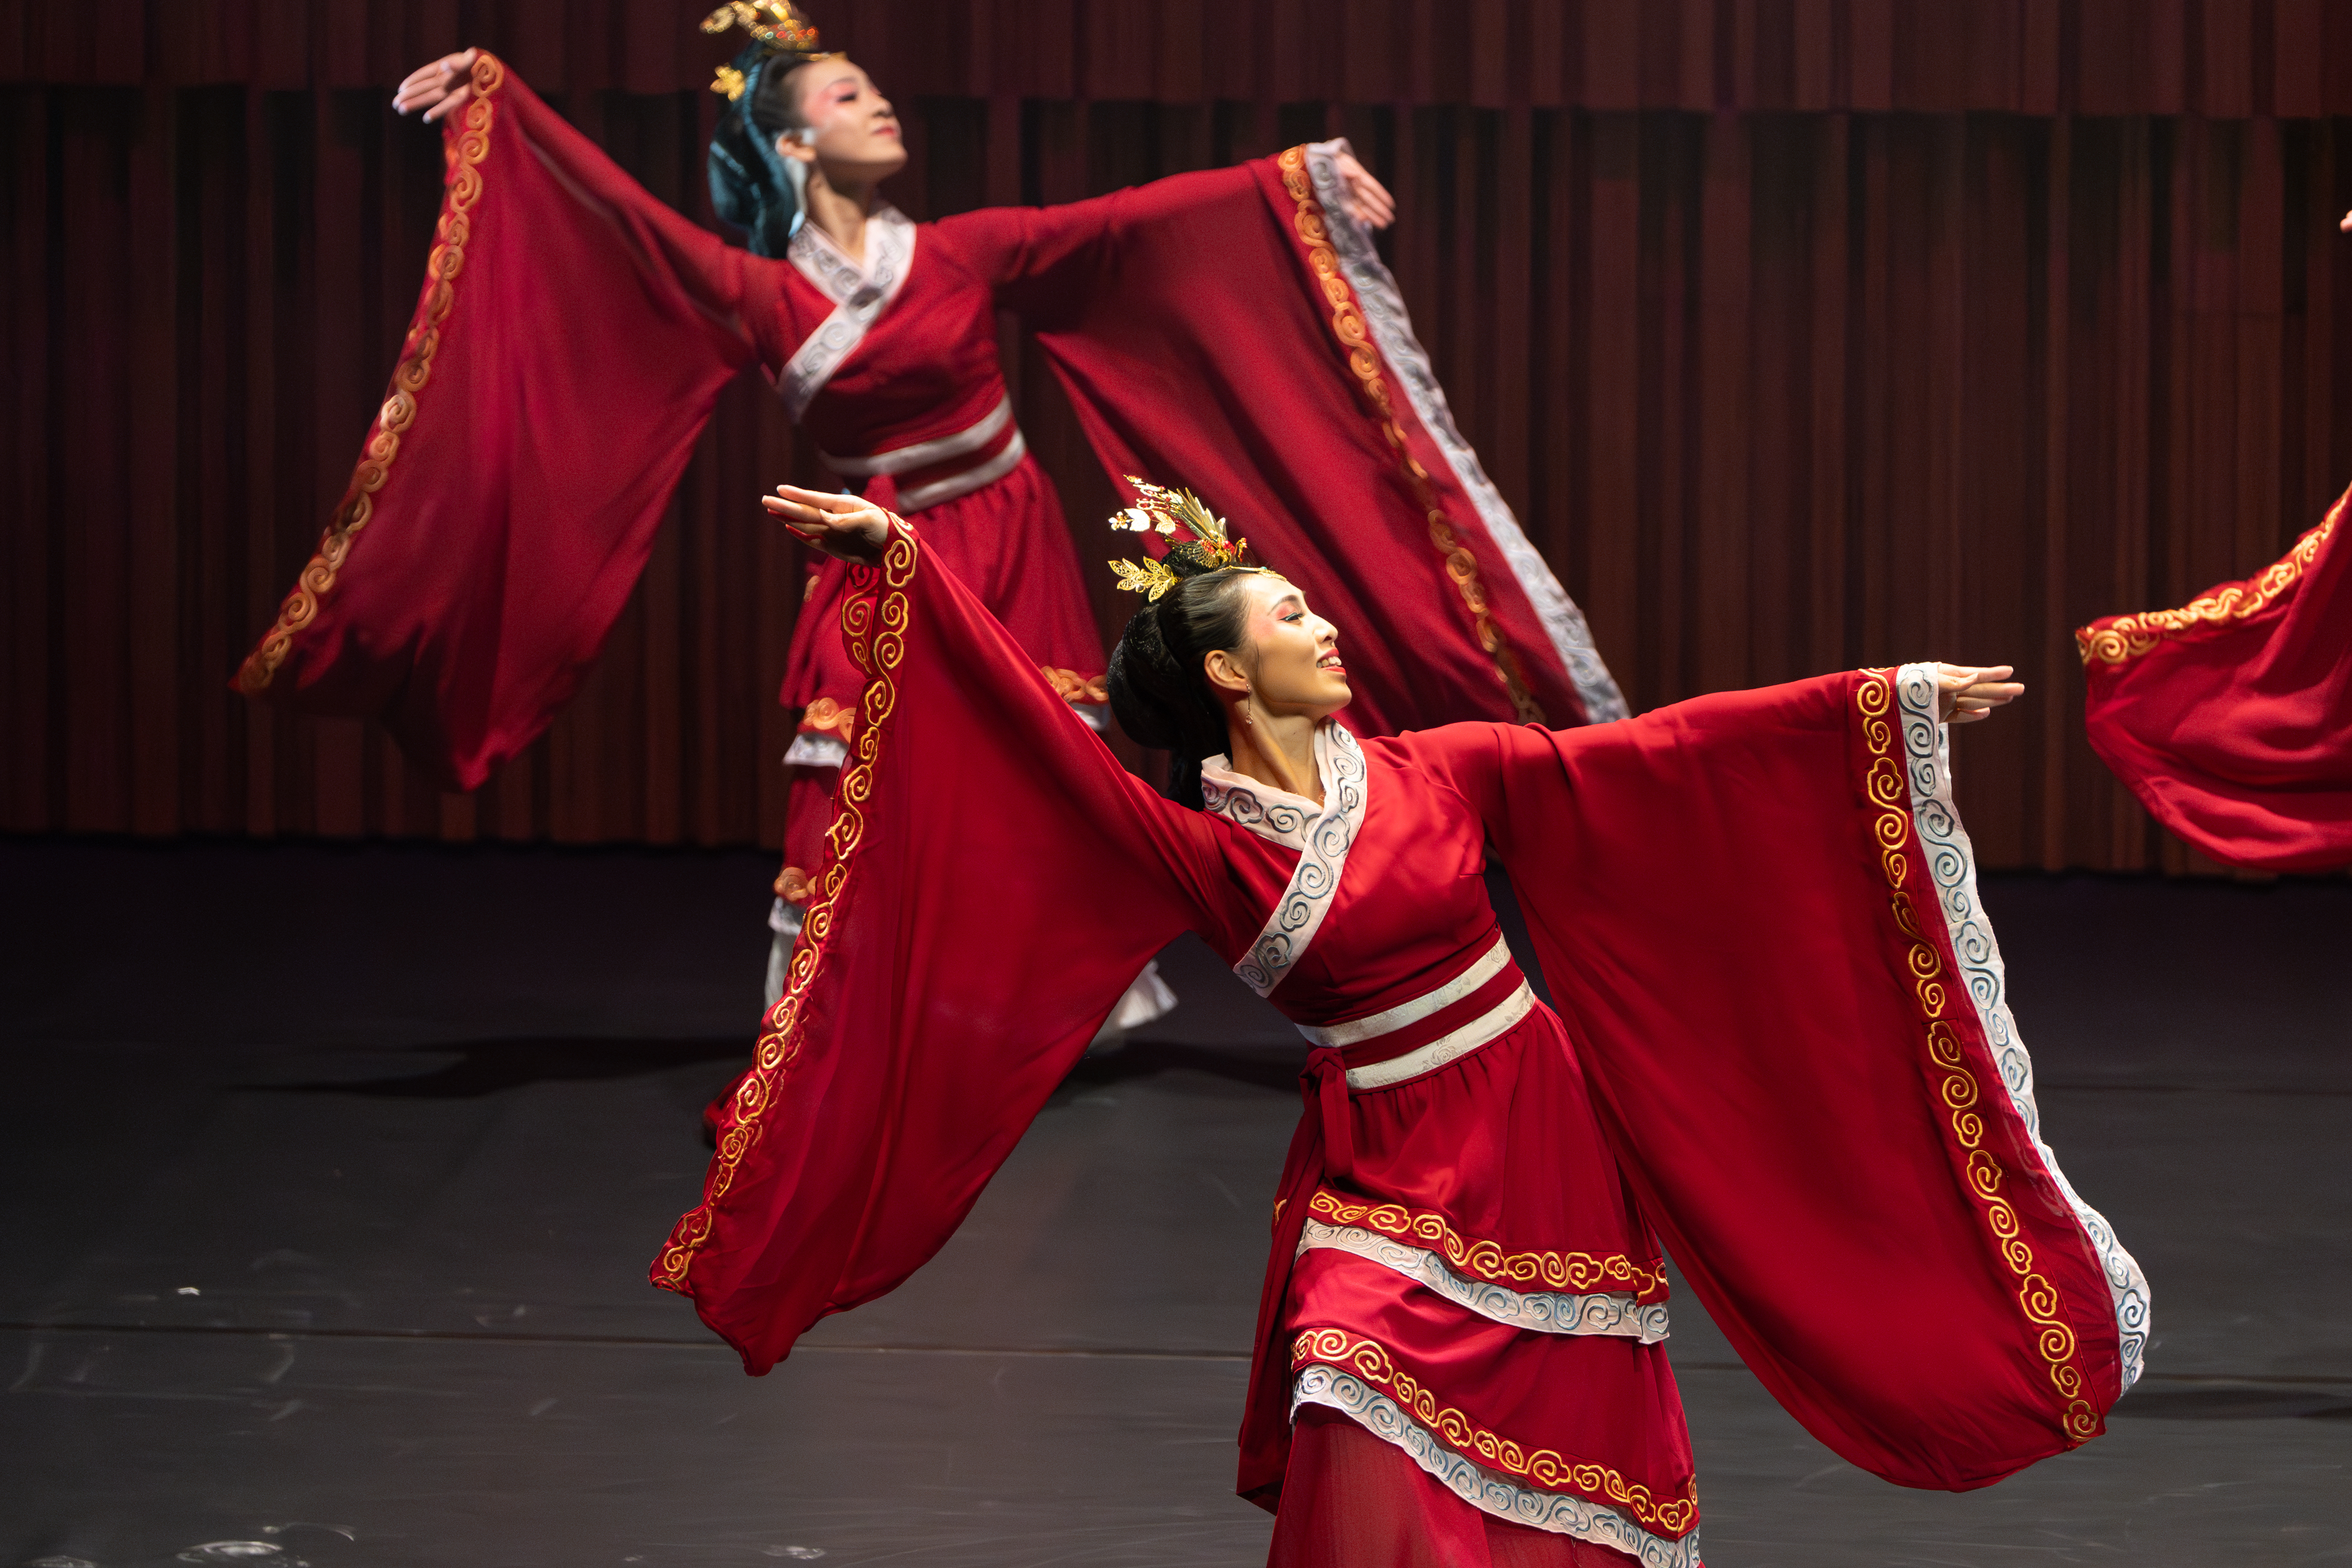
1493,1024
1355,1032
915,497
923,453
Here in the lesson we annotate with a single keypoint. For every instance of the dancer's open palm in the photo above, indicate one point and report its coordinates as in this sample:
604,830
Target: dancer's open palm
846,528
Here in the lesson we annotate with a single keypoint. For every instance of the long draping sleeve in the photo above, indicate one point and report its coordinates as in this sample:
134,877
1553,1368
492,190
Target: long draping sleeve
1231,331
2230,718
995,879
1033,256
570,339
1759,917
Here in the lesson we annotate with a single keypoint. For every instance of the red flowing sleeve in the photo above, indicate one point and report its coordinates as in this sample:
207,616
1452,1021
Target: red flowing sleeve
1758,916
2231,719
995,879
1233,331
570,339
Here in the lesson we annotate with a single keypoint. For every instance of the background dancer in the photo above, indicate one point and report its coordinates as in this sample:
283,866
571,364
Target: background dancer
1781,1041
1173,313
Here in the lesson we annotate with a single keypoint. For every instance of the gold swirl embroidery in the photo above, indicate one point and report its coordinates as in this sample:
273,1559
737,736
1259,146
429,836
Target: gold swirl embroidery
1581,1272
2124,637
1956,1086
780,1040
1369,1360
825,716
462,155
1347,326
1073,688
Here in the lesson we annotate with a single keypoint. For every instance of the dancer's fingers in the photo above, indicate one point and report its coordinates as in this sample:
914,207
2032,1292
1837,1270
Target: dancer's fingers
427,83
822,500
800,519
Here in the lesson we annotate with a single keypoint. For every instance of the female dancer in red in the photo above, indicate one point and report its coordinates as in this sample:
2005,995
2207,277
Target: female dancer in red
1781,1050
481,556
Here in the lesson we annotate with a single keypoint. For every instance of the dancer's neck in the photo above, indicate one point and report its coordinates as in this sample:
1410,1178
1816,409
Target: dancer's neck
1277,750
841,212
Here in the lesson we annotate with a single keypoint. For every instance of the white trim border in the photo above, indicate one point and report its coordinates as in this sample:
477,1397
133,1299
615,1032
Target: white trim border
1391,328
859,295
1561,1513
1299,913
809,749
1538,1312
1952,866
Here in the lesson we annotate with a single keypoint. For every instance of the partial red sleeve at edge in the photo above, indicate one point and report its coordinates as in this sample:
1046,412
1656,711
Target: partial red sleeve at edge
2231,719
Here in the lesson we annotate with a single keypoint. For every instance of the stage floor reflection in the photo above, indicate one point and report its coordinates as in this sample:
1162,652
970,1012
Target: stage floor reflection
332,1174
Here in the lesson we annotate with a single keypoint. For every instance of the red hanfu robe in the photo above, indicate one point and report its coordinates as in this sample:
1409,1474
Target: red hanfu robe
1216,328
907,396
1780,1046
2230,718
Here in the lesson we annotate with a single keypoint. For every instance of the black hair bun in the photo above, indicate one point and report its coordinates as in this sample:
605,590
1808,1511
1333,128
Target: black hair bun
1159,690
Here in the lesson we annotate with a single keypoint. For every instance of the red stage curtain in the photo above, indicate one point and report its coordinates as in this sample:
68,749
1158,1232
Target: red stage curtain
2221,58
1802,334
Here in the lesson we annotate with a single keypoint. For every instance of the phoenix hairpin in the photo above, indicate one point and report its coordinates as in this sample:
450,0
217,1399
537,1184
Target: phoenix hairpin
1171,513
776,28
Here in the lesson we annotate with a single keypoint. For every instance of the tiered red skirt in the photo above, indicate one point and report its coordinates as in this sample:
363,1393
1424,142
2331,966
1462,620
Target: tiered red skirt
1474,1322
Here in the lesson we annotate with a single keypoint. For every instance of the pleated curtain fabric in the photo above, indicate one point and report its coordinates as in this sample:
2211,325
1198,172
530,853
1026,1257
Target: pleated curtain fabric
1801,333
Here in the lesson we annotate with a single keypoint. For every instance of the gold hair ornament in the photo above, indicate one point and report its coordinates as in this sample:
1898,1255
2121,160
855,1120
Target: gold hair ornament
1161,511
776,28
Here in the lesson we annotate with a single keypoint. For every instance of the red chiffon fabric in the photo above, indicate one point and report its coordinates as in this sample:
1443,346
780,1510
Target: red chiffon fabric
2231,719
1009,541
1354,1502
1775,1023
1209,340
507,493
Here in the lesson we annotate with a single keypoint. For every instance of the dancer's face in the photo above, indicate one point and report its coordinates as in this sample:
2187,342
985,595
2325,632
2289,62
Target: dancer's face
1289,658
856,141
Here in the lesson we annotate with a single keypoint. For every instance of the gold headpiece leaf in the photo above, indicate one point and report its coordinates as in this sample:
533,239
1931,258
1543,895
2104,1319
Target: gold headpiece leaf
1150,577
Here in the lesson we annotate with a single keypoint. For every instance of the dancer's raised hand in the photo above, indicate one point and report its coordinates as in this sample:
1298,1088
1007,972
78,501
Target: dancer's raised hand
846,528
1967,693
1368,199
440,88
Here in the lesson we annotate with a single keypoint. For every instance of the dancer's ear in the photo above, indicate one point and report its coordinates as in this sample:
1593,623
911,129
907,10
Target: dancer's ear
1225,672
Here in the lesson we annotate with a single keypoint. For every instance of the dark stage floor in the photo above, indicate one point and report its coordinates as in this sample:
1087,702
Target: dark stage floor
333,1174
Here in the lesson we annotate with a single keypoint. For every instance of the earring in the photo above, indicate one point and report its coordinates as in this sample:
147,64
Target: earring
1244,707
